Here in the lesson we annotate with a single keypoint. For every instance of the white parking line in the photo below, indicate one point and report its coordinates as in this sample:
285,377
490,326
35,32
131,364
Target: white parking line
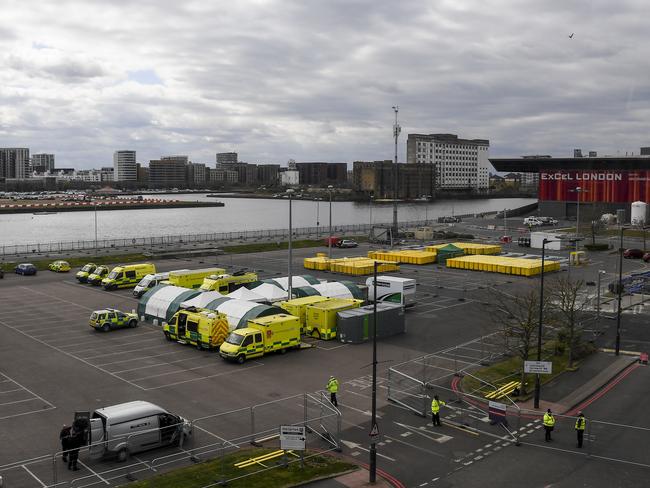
152,365
18,401
28,390
121,361
33,476
238,370
94,472
123,352
57,298
11,391
211,365
67,354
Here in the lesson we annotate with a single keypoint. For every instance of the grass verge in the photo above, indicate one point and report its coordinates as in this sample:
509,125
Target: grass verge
275,246
209,472
42,264
509,369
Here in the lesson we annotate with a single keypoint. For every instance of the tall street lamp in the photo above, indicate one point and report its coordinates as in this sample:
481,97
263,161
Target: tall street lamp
96,250
374,430
538,384
620,293
289,286
370,208
329,240
317,217
600,273
578,190
396,132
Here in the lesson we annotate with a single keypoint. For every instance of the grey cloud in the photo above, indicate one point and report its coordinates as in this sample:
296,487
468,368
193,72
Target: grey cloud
316,80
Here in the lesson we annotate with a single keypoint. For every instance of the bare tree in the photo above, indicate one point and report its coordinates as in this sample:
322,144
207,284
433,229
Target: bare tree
568,306
517,317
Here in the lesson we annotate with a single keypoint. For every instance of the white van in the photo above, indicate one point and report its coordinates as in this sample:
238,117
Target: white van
132,427
392,289
151,280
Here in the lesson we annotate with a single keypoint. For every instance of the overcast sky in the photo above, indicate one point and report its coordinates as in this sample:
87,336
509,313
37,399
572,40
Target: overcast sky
315,80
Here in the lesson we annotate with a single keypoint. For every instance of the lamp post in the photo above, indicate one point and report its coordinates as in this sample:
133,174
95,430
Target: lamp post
370,208
317,217
620,294
96,250
373,421
578,190
289,285
329,240
396,132
538,384
600,273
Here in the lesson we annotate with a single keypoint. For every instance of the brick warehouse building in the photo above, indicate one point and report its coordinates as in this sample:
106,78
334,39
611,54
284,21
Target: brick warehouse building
606,184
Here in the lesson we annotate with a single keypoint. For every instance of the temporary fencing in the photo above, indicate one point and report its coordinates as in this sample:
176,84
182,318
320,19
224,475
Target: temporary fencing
189,239
213,437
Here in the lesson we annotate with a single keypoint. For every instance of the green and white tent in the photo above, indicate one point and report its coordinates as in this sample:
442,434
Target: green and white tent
331,289
283,282
239,312
163,301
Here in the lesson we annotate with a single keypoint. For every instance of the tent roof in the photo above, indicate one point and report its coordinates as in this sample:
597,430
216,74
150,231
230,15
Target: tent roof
449,248
270,292
246,294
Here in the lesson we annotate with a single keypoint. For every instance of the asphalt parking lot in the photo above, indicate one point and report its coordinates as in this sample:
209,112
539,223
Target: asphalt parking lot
53,364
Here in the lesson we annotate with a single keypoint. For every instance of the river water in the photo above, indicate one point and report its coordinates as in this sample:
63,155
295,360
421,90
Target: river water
238,214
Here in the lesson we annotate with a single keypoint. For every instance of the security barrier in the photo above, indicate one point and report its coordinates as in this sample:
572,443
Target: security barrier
213,437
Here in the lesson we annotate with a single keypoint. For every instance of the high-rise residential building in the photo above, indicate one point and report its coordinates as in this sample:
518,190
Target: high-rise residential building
226,158
197,174
42,163
169,172
460,164
14,162
126,168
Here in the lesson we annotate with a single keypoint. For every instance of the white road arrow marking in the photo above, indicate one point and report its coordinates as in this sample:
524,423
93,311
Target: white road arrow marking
417,430
354,445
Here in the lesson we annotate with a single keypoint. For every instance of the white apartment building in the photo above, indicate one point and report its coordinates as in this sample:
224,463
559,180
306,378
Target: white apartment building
125,166
461,164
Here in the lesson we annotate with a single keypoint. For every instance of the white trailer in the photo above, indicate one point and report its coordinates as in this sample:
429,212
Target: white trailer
392,289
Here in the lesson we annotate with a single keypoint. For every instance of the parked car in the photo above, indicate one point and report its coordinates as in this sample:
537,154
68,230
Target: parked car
448,220
533,222
332,240
646,258
25,269
59,266
346,243
633,254
548,220
110,318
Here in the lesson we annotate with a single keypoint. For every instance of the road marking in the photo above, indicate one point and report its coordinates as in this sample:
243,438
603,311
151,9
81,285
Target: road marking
94,472
354,445
417,430
363,412
33,476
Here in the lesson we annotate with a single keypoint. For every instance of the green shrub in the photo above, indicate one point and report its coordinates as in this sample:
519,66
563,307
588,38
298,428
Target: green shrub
599,246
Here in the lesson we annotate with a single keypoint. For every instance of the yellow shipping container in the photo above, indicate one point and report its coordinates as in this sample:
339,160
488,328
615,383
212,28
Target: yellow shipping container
504,265
320,318
298,307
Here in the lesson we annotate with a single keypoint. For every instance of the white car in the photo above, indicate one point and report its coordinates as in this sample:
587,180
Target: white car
533,222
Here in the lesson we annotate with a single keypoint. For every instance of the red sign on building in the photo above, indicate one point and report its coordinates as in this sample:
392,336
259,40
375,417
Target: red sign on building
595,186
